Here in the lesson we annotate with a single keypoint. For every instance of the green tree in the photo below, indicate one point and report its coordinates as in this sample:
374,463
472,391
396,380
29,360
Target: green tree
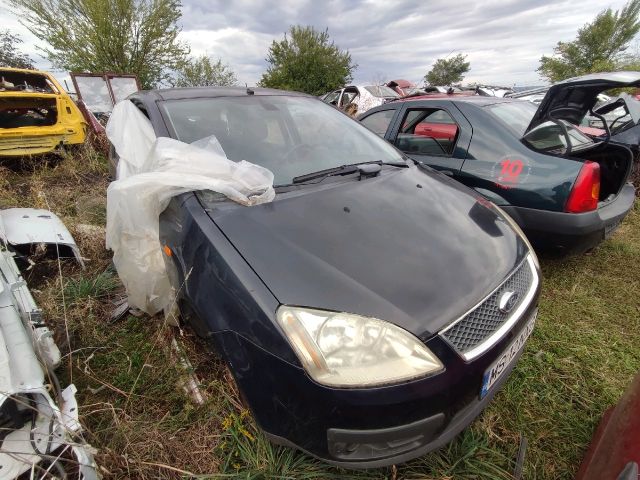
202,71
447,71
121,36
599,46
306,60
10,56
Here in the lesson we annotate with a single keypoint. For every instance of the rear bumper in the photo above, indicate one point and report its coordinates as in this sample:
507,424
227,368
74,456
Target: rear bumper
573,232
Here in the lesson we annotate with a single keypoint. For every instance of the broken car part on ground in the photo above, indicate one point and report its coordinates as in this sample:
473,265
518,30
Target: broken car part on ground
26,230
36,114
372,309
40,432
565,189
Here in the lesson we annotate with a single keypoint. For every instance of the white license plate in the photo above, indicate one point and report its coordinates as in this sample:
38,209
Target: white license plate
495,371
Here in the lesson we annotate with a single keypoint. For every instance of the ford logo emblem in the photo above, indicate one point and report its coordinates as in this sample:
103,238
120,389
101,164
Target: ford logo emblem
507,301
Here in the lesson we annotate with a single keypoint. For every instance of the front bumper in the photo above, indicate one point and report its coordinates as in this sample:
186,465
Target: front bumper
394,445
573,232
364,428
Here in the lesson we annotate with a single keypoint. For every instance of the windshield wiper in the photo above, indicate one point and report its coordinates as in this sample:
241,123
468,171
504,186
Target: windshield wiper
329,172
402,164
341,170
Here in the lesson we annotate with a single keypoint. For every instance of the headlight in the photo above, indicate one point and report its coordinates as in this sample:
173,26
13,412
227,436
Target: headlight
517,228
345,350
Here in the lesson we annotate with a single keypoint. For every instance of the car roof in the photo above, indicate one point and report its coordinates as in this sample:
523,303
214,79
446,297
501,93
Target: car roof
24,70
434,95
212,92
479,100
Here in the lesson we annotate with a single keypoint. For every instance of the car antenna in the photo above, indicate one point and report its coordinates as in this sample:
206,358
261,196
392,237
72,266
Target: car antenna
249,91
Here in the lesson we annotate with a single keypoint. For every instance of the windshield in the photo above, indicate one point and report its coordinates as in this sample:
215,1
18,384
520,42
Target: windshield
291,136
381,91
516,115
551,137
548,136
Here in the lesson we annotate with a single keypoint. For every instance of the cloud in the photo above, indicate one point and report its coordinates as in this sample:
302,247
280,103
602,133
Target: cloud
243,50
504,39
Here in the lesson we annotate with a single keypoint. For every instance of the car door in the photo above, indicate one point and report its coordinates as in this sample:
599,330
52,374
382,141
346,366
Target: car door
434,133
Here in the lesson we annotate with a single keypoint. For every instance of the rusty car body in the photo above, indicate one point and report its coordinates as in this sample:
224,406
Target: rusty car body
37,115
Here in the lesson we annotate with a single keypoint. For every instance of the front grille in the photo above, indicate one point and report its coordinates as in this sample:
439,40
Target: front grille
485,319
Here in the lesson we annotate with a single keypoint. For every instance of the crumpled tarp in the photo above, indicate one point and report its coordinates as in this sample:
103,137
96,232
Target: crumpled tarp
149,174
132,150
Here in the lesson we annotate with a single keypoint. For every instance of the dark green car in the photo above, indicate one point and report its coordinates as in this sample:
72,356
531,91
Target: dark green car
566,185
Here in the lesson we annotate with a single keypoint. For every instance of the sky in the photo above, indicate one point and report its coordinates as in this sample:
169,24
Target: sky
503,39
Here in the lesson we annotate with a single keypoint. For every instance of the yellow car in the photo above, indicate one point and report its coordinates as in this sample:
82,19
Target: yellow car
36,114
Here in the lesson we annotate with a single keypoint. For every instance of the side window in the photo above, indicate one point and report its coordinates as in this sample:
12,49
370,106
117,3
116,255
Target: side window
379,122
332,97
428,132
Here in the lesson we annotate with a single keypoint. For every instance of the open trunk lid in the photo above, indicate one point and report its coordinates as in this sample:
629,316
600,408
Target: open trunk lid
572,99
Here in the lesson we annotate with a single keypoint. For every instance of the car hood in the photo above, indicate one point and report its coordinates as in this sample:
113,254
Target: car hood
572,99
409,246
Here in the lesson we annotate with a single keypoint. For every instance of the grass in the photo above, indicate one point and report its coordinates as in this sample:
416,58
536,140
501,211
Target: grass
81,289
581,356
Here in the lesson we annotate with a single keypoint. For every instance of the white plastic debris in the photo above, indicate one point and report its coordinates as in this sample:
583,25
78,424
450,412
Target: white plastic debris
144,189
36,428
131,144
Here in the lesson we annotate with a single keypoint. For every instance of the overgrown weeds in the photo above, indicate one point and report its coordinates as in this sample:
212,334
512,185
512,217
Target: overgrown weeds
97,287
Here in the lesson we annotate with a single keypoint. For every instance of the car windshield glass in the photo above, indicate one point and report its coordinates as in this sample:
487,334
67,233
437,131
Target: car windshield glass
381,91
516,115
549,136
291,136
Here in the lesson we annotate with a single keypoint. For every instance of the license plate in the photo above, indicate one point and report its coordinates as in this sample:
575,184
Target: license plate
495,371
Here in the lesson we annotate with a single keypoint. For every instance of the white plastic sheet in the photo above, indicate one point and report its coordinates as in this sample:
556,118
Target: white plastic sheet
132,136
144,188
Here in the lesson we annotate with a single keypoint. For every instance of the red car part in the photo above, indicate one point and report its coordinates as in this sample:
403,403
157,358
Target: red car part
616,443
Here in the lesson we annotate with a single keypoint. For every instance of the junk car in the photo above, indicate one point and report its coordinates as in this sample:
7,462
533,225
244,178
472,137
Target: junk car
372,309
404,87
360,98
567,190
36,114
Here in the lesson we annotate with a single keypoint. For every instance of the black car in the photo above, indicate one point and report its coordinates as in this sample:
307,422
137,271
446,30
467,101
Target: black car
373,308
566,189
